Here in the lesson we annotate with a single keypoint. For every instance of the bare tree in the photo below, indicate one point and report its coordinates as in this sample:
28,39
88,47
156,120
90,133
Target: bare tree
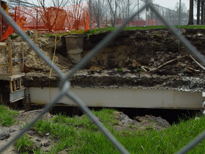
50,14
113,7
98,11
76,13
198,12
191,12
121,9
183,12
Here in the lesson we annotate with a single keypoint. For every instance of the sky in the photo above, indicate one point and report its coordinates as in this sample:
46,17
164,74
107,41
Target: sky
165,3
171,3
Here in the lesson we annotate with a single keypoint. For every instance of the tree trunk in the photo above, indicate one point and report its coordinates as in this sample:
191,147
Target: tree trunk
191,5
198,11
202,12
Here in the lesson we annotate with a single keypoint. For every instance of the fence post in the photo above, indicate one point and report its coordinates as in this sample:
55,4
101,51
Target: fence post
10,55
22,56
179,22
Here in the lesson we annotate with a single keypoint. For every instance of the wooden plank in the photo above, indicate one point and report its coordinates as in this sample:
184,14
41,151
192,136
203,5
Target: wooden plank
14,85
36,36
11,86
6,64
10,55
2,45
20,83
6,74
22,56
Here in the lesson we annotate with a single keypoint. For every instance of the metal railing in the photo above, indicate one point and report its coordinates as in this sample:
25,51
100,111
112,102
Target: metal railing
65,84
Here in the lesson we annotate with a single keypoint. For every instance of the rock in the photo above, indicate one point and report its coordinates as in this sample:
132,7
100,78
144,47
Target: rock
159,120
76,116
38,140
47,134
29,136
37,144
46,143
29,32
124,119
11,130
199,35
64,151
31,132
4,135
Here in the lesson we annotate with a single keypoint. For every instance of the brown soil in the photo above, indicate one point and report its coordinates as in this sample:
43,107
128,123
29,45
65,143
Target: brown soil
141,50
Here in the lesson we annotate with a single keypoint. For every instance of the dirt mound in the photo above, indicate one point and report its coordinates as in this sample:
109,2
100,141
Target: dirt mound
146,122
149,51
34,62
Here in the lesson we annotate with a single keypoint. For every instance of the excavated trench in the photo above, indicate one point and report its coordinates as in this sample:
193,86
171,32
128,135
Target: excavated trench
140,72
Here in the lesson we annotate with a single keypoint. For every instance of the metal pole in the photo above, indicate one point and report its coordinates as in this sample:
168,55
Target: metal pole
128,5
138,14
146,13
179,22
90,14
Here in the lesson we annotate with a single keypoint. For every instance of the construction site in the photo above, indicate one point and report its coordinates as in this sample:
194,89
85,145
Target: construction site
137,64
141,70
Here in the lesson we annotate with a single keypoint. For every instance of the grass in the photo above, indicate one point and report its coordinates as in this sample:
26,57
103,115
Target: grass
7,116
24,144
13,36
120,70
158,35
80,135
110,29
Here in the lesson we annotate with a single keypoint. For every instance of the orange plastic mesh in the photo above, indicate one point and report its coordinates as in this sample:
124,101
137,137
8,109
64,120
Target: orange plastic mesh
8,32
50,19
75,17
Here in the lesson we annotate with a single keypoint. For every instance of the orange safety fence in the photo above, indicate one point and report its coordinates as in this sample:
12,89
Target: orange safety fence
50,19
8,32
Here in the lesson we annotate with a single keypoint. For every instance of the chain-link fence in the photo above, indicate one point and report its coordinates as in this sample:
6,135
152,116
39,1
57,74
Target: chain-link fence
108,13
65,84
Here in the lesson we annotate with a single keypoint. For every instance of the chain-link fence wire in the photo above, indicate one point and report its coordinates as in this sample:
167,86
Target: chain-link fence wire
65,84
107,13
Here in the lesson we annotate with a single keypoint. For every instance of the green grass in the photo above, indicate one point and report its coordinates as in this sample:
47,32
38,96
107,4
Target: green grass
24,144
7,116
13,36
80,135
120,70
109,29
158,35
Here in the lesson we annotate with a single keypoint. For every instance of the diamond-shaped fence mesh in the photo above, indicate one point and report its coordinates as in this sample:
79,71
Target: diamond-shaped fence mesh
65,84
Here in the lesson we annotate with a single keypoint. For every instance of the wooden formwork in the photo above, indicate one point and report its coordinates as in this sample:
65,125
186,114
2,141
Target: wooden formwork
14,78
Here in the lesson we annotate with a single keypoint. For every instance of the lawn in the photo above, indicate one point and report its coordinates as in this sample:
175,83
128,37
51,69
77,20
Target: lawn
80,135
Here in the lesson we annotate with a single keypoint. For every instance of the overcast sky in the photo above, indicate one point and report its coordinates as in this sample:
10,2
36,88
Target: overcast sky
171,3
165,3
